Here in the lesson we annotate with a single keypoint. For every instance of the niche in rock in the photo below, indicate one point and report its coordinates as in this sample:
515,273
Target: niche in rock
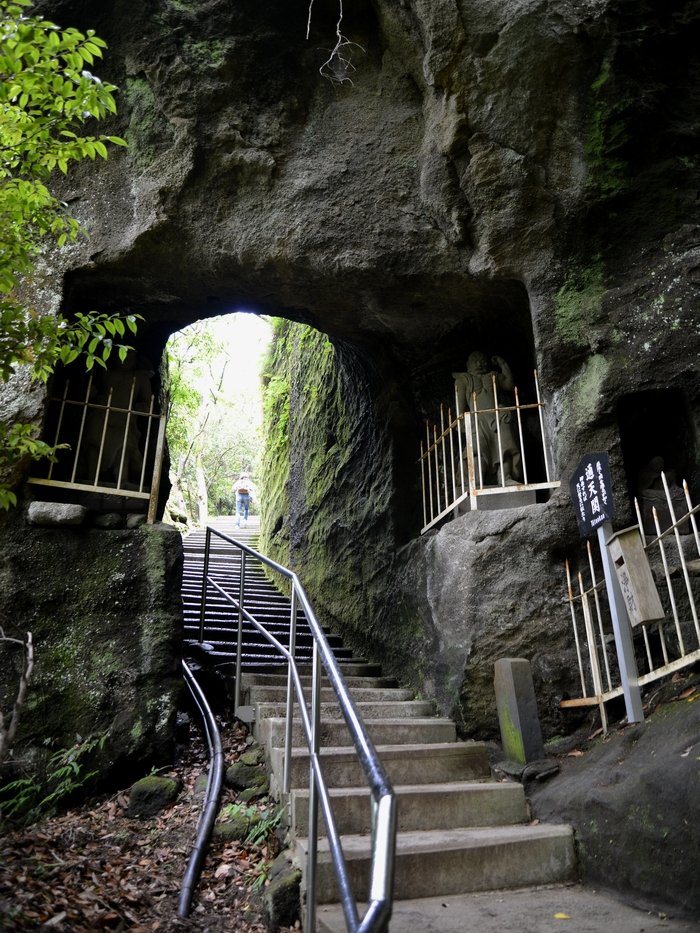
488,361
106,426
656,434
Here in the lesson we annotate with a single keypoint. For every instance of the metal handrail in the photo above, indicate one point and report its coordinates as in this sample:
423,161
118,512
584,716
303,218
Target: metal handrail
212,796
378,912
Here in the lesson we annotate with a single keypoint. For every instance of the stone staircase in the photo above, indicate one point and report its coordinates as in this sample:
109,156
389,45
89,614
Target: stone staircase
263,600
459,830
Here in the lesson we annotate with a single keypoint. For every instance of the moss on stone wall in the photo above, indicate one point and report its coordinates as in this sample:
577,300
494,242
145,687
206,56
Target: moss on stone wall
326,482
148,132
274,468
607,134
104,610
577,304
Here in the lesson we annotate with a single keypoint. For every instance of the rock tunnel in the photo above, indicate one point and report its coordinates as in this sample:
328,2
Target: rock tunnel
472,179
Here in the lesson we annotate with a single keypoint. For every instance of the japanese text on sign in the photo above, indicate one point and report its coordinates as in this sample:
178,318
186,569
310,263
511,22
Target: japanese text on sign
591,492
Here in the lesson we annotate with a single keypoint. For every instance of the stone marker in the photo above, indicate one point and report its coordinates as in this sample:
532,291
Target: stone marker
521,734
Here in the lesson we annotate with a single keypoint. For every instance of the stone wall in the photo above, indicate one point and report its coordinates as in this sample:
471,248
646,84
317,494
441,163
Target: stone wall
104,610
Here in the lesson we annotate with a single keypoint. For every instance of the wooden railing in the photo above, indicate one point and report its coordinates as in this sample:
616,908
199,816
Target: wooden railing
451,456
661,648
109,442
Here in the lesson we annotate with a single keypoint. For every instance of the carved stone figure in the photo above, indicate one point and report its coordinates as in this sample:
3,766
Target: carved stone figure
651,495
478,381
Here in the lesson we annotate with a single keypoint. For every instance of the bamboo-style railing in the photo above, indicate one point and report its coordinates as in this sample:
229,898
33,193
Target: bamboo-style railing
451,461
110,438
664,647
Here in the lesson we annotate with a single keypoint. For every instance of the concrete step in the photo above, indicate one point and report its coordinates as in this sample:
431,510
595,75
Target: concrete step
421,807
455,861
404,764
526,910
252,660
358,667
259,602
271,732
263,652
269,679
368,710
252,637
278,694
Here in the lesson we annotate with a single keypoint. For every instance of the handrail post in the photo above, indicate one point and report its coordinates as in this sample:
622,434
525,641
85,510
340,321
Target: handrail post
470,458
205,574
239,643
290,694
312,853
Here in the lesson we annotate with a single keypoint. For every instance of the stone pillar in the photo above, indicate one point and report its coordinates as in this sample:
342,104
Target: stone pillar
521,734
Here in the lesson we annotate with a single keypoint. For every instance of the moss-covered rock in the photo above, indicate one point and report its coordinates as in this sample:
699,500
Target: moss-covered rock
105,612
152,794
235,822
282,898
242,775
255,791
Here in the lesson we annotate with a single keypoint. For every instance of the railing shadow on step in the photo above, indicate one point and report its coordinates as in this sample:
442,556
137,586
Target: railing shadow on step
380,895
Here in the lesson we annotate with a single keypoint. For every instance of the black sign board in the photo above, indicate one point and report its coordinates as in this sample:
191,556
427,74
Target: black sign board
591,492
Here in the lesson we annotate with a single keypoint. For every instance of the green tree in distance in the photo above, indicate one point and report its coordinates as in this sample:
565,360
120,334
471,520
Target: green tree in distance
48,97
213,432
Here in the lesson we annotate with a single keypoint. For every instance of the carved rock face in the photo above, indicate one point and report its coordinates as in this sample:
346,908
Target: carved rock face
516,177
508,176
104,610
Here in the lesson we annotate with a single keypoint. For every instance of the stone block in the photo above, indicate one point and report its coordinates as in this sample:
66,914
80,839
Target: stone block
521,734
52,514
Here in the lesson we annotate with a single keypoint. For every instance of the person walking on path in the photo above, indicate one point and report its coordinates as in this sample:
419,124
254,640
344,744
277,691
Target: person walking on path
244,489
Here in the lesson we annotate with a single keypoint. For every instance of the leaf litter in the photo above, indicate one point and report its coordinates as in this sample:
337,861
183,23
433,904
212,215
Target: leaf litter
94,869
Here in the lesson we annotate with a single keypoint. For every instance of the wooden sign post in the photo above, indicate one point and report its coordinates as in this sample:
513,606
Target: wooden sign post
590,488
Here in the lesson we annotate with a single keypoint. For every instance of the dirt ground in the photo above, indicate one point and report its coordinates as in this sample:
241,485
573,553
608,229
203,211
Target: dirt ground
95,869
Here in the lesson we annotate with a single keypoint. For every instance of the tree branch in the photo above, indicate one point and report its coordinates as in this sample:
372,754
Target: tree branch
7,734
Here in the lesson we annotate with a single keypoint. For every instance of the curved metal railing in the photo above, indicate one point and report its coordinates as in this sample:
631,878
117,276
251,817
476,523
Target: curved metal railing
380,893
211,797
